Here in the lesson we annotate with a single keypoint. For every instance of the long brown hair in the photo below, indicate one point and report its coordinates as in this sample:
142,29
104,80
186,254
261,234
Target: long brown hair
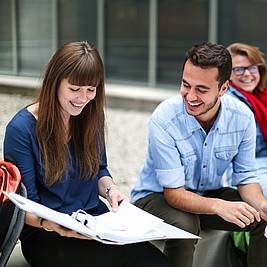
81,64
255,56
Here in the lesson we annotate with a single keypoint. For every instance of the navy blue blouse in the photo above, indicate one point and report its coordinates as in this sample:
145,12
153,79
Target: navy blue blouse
68,195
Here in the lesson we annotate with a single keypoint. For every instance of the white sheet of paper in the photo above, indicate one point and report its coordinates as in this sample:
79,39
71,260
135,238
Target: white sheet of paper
128,218
128,223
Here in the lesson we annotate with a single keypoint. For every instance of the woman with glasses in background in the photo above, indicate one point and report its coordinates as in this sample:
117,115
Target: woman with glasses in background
249,84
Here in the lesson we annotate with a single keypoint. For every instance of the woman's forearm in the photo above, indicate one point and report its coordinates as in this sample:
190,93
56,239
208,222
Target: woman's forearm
105,183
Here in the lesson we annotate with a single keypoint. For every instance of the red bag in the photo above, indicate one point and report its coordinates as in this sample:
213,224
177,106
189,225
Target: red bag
10,181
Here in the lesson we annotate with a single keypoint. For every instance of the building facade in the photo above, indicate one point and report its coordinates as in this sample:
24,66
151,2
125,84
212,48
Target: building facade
142,42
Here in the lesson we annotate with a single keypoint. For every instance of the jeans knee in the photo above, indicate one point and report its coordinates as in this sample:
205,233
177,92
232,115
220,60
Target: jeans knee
188,222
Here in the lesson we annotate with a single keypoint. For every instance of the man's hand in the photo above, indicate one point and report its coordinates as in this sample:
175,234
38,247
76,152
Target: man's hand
239,213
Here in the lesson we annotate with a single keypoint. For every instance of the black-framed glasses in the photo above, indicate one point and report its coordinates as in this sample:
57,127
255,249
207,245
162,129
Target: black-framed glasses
253,69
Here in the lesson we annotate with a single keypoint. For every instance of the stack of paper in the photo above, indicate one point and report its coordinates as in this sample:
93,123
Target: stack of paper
128,225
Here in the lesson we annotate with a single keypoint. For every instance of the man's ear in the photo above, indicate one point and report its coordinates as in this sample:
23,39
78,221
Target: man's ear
223,88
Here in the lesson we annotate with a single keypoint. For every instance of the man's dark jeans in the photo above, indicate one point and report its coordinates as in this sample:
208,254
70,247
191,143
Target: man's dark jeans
180,251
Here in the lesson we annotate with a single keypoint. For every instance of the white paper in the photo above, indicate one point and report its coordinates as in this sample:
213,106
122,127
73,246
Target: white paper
128,225
128,219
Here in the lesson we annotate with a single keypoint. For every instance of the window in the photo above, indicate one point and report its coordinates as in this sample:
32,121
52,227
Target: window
6,37
126,40
77,21
236,24
181,24
31,30
34,29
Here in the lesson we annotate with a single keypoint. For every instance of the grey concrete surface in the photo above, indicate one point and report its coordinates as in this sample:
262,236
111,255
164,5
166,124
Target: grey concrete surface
126,138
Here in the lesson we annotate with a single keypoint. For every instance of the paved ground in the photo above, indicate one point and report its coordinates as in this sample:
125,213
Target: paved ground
126,138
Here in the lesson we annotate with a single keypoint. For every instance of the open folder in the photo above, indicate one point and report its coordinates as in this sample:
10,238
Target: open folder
128,224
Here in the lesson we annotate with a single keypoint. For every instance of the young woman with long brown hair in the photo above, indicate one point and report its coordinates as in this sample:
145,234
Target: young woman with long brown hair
58,145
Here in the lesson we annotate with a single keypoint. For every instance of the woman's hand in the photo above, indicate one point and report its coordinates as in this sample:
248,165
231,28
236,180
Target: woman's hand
33,220
115,197
109,190
62,231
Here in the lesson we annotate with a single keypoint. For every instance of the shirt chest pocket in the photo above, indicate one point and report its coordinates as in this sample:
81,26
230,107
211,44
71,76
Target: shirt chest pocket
223,159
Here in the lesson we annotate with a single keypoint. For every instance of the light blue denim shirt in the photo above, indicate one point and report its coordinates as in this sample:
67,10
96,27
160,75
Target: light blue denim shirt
180,153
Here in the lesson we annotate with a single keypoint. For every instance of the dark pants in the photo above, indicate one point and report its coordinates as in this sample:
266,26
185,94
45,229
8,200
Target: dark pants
50,249
180,251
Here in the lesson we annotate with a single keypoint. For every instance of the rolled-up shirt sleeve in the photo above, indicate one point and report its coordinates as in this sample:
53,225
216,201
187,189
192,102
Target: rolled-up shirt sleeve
244,164
165,157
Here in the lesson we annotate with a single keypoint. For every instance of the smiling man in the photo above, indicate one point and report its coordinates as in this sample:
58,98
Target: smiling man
193,138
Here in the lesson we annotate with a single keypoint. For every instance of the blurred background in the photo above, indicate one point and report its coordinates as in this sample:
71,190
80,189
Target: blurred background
142,42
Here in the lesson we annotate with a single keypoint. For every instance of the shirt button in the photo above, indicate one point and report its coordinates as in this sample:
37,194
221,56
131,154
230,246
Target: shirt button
205,144
201,184
204,166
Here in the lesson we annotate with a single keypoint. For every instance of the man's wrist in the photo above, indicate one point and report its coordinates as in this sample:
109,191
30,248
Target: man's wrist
214,206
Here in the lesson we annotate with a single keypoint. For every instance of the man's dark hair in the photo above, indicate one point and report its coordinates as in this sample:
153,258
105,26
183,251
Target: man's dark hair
208,55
